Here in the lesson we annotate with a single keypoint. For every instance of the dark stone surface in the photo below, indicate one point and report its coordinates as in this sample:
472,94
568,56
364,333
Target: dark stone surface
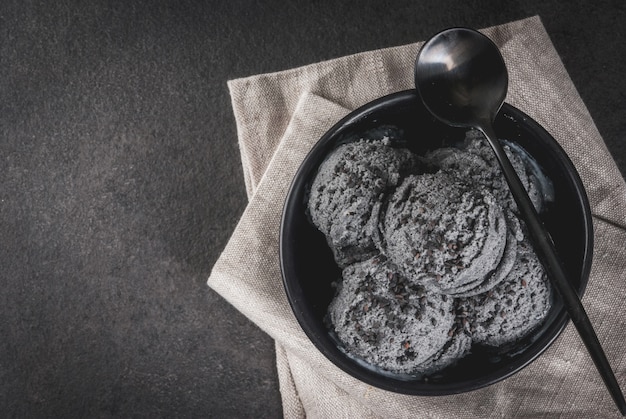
121,183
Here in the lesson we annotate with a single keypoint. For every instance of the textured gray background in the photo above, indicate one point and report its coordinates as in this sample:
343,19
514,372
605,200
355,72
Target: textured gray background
121,183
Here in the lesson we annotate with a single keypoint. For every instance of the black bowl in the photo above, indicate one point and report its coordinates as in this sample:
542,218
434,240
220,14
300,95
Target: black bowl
308,267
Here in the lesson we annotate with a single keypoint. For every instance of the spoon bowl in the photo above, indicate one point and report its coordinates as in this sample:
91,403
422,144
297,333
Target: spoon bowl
461,77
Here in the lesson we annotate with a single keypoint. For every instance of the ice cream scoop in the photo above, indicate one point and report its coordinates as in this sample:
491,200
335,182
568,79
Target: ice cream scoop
462,80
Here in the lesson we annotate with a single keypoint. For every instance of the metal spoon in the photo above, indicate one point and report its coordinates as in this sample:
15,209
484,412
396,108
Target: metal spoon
462,80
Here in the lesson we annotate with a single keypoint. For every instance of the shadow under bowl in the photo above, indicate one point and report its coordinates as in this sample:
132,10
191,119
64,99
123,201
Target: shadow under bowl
308,267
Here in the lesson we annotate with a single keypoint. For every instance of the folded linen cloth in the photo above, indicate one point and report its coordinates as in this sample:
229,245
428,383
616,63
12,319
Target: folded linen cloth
281,115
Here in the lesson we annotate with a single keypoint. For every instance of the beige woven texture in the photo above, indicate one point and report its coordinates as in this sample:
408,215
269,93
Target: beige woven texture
281,115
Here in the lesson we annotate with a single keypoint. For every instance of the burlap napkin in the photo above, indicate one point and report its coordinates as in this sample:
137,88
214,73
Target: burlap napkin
280,116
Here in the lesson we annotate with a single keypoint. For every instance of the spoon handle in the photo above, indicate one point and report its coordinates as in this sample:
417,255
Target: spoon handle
547,253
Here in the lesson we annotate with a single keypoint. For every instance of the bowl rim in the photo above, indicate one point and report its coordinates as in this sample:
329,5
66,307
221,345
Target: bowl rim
538,347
